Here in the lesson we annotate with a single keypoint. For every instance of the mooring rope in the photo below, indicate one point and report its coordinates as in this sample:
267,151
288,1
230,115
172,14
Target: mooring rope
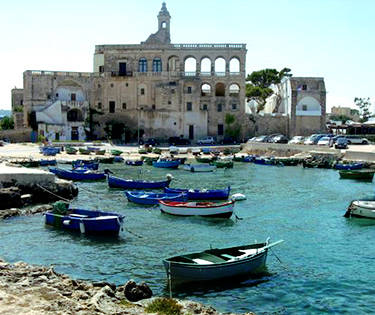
64,199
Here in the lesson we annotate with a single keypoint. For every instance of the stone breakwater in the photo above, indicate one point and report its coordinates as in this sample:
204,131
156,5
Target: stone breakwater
28,289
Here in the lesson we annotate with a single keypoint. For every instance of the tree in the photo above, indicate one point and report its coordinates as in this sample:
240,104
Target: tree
232,130
363,104
260,86
342,118
7,123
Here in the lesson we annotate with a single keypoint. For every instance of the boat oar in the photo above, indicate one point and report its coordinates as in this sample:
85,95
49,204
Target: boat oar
273,244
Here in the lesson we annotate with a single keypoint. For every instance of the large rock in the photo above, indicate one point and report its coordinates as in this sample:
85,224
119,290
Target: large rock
134,292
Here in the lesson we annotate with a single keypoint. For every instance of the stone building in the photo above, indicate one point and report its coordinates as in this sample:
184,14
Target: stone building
153,89
299,108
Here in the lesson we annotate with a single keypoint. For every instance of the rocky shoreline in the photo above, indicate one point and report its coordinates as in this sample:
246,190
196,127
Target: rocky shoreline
28,289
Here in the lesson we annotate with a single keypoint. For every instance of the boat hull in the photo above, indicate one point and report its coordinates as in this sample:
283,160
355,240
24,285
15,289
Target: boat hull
367,175
166,164
86,221
145,198
116,182
199,168
204,209
208,194
362,209
213,265
76,175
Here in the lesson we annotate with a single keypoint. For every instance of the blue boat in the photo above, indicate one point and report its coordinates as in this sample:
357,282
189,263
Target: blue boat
166,163
152,198
85,221
52,151
88,164
134,162
116,182
81,174
47,162
351,166
202,194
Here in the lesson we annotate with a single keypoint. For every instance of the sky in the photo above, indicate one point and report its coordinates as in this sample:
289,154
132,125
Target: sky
332,39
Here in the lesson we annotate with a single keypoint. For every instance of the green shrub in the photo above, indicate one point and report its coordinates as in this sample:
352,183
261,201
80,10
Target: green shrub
166,306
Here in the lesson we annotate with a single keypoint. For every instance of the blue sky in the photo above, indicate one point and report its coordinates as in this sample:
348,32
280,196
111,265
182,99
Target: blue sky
321,38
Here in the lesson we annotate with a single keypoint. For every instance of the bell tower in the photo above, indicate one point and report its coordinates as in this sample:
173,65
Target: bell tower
164,22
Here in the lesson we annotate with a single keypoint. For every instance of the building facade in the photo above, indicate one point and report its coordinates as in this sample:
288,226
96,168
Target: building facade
154,89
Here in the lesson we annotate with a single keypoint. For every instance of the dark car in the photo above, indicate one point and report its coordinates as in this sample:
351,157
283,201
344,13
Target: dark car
150,141
341,143
178,141
229,140
280,139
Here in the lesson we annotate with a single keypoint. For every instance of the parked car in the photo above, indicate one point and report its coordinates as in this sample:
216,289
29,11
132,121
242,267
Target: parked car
297,140
150,141
271,137
229,140
313,139
341,143
178,141
261,139
324,141
206,140
356,139
280,139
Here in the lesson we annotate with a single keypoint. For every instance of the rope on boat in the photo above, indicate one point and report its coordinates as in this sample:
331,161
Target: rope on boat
276,256
52,193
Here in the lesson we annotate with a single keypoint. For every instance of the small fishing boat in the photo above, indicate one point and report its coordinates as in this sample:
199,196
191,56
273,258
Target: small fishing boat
156,150
348,166
149,160
152,198
119,159
105,160
198,208
70,150
202,194
166,163
52,151
44,162
223,163
116,152
84,221
100,152
363,174
89,164
234,263
267,161
361,209
134,162
84,151
287,161
116,182
81,174
198,168
205,159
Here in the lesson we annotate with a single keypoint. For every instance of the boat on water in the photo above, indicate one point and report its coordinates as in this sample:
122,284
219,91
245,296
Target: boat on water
88,164
117,182
205,159
234,263
363,174
267,161
361,209
223,163
84,151
70,150
199,168
134,162
116,152
166,163
348,166
152,198
78,174
105,160
84,221
202,194
44,162
198,208
49,150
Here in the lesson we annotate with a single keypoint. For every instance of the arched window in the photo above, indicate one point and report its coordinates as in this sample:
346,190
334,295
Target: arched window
156,65
173,63
220,89
234,66
142,66
206,66
190,66
74,115
234,90
220,66
206,90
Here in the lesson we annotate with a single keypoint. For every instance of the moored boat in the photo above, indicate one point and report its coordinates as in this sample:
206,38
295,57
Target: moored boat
49,150
202,194
198,208
223,163
348,166
81,174
116,152
362,174
85,221
361,209
117,182
166,163
134,162
198,168
70,150
234,263
152,198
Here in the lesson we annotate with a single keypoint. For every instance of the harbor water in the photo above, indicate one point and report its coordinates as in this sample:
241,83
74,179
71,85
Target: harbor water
326,264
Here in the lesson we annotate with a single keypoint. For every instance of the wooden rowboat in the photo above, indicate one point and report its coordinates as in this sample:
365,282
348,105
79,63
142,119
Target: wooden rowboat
116,182
363,174
202,194
361,209
152,198
234,263
193,208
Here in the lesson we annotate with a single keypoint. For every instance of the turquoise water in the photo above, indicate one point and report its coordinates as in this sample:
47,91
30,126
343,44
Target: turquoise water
327,262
